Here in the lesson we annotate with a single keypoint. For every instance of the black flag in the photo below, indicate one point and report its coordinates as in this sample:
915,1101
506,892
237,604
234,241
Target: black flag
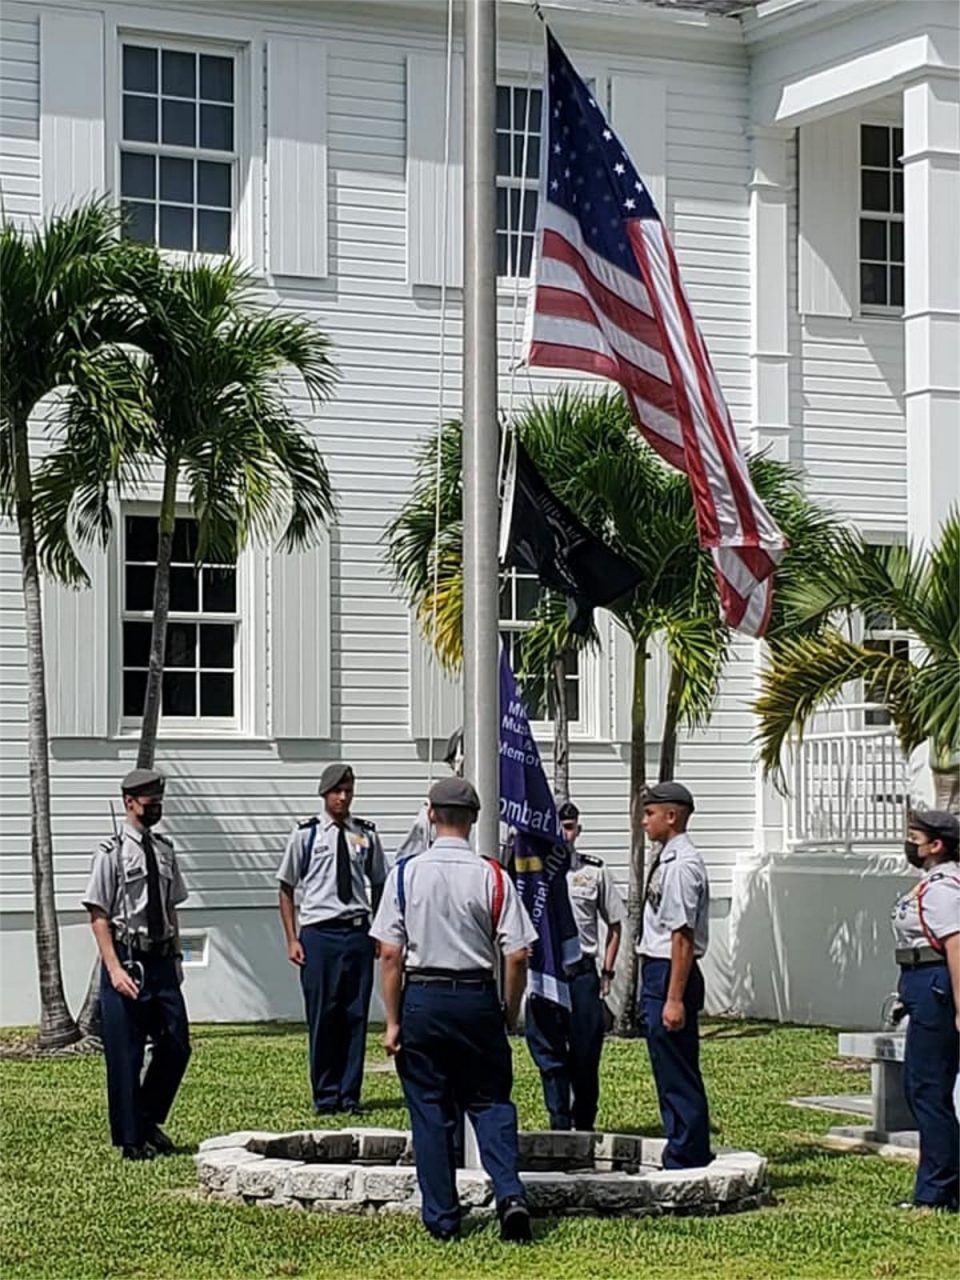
542,535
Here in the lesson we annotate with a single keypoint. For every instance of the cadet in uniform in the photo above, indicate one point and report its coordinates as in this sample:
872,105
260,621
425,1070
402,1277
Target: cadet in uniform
926,926
446,917
566,1044
330,856
674,938
134,890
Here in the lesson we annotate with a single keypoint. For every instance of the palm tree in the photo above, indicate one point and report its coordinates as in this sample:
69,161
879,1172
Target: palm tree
61,310
918,591
591,455
216,419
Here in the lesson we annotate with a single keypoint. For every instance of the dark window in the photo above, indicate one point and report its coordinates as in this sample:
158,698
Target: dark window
881,221
518,118
519,596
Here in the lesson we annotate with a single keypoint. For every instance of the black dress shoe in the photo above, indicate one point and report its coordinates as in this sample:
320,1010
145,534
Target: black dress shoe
920,1206
515,1220
146,1152
160,1142
445,1237
351,1109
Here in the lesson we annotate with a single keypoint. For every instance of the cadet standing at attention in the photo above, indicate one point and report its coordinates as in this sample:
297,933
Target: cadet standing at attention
674,938
134,890
331,856
566,1044
926,925
446,917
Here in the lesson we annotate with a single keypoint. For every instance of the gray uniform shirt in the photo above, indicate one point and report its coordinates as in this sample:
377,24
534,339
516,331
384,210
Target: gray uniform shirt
678,897
937,895
106,889
320,900
593,897
448,922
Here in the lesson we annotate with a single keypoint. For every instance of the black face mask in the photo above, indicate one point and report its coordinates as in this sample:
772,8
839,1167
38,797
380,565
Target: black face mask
912,850
152,813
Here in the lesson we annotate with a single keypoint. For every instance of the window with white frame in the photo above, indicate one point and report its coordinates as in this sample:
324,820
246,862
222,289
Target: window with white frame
200,670
882,635
519,595
518,118
881,216
178,157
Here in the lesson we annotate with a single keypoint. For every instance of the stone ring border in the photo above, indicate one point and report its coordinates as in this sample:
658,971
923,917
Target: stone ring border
370,1171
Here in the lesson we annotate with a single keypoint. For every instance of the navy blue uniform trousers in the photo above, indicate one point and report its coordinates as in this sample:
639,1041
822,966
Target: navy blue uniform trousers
455,1058
566,1045
337,979
675,1059
930,1065
136,1105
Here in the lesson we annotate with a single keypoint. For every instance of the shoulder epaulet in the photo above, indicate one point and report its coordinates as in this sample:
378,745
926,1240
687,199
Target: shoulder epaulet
308,822
163,839
590,860
365,823
108,844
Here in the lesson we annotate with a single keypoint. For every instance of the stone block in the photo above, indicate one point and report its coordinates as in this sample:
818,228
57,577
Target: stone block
651,1151
334,1146
678,1186
351,1208
474,1188
550,1192
381,1146
612,1192
288,1146
322,1182
242,1138
890,1110
385,1183
264,1179
410,1207
217,1168
751,1167
615,1150
556,1149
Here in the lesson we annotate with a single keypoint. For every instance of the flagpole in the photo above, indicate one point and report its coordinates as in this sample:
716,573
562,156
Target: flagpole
480,436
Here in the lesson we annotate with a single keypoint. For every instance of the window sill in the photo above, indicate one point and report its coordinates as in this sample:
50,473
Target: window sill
194,735
880,313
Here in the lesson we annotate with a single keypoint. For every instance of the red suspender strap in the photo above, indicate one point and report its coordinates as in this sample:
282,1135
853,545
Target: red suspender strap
497,891
930,937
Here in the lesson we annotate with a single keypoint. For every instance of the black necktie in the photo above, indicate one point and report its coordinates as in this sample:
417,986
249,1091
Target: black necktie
155,923
344,874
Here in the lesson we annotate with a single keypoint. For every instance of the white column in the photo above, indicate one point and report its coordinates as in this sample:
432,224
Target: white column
931,319
769,372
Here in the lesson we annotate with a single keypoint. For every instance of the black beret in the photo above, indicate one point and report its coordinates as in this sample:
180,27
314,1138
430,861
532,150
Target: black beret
568,812
143,782
937,823
669,793
454,793
334,775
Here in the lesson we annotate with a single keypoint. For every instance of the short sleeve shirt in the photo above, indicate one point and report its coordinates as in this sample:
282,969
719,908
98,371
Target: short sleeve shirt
448,919
931,910
594,896
310,864
678,897
123,898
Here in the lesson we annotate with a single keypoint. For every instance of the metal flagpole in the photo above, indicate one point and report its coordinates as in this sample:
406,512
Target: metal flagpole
480,435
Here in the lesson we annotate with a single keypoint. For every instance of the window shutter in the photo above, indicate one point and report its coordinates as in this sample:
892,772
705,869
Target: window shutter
658,669
639,112
426,103
447,692
300,642
72,154
827,248
296,157
77,634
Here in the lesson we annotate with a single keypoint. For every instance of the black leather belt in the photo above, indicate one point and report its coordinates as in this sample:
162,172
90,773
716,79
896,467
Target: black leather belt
918,957
586,965
478,978
342,923
147,948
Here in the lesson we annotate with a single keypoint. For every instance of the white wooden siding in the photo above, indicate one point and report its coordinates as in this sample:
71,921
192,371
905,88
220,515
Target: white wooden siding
20,110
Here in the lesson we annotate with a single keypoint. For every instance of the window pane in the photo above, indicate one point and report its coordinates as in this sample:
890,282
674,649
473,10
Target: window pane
180,74
184,541
136,644
873,239
503,266
502,194
181,644
179,693
139,118
139,587
216,694
533,157
875,190
506,597
139,221
503,107
176,227
216,78
216,645
219,590
898,193
213,184
503,155
896,286
139,68
875,145
897,148
572,690
176,180
528,593
138,175
533,689
530,210
134,692
216,128
179,123
873,284
526,255
141,535
184,591
896,241
213,231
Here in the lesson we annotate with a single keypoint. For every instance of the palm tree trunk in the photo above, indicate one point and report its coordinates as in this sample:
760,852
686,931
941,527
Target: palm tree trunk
161,607
561,733
668,744
627,1021
57,1027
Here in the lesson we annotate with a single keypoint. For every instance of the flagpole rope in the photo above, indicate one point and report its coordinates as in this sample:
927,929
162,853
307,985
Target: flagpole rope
534,12
433,690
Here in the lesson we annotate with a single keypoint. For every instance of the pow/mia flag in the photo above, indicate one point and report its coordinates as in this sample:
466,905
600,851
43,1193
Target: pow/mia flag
541,534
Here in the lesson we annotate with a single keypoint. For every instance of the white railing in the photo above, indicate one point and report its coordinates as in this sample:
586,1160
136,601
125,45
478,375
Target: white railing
849,782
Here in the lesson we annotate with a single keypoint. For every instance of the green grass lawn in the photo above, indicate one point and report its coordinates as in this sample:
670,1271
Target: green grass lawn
72,1208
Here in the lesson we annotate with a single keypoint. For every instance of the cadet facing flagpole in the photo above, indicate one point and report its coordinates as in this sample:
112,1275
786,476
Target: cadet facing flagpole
480,435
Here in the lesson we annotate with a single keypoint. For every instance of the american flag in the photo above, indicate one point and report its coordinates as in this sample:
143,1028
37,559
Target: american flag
609,301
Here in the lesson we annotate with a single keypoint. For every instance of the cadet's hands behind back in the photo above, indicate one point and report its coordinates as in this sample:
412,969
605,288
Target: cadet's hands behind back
295,953
391,1039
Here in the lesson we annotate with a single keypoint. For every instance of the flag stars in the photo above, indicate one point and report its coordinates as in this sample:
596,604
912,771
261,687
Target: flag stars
554,185
630,203
607,135
557,148
639,186
619,168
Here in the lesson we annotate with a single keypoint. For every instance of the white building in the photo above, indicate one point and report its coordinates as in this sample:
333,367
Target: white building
806,155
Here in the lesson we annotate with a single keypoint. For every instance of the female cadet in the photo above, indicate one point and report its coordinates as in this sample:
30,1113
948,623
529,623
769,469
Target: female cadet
926,925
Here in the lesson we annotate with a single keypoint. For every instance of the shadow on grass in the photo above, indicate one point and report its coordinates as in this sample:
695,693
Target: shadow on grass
734,1031
246,1030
